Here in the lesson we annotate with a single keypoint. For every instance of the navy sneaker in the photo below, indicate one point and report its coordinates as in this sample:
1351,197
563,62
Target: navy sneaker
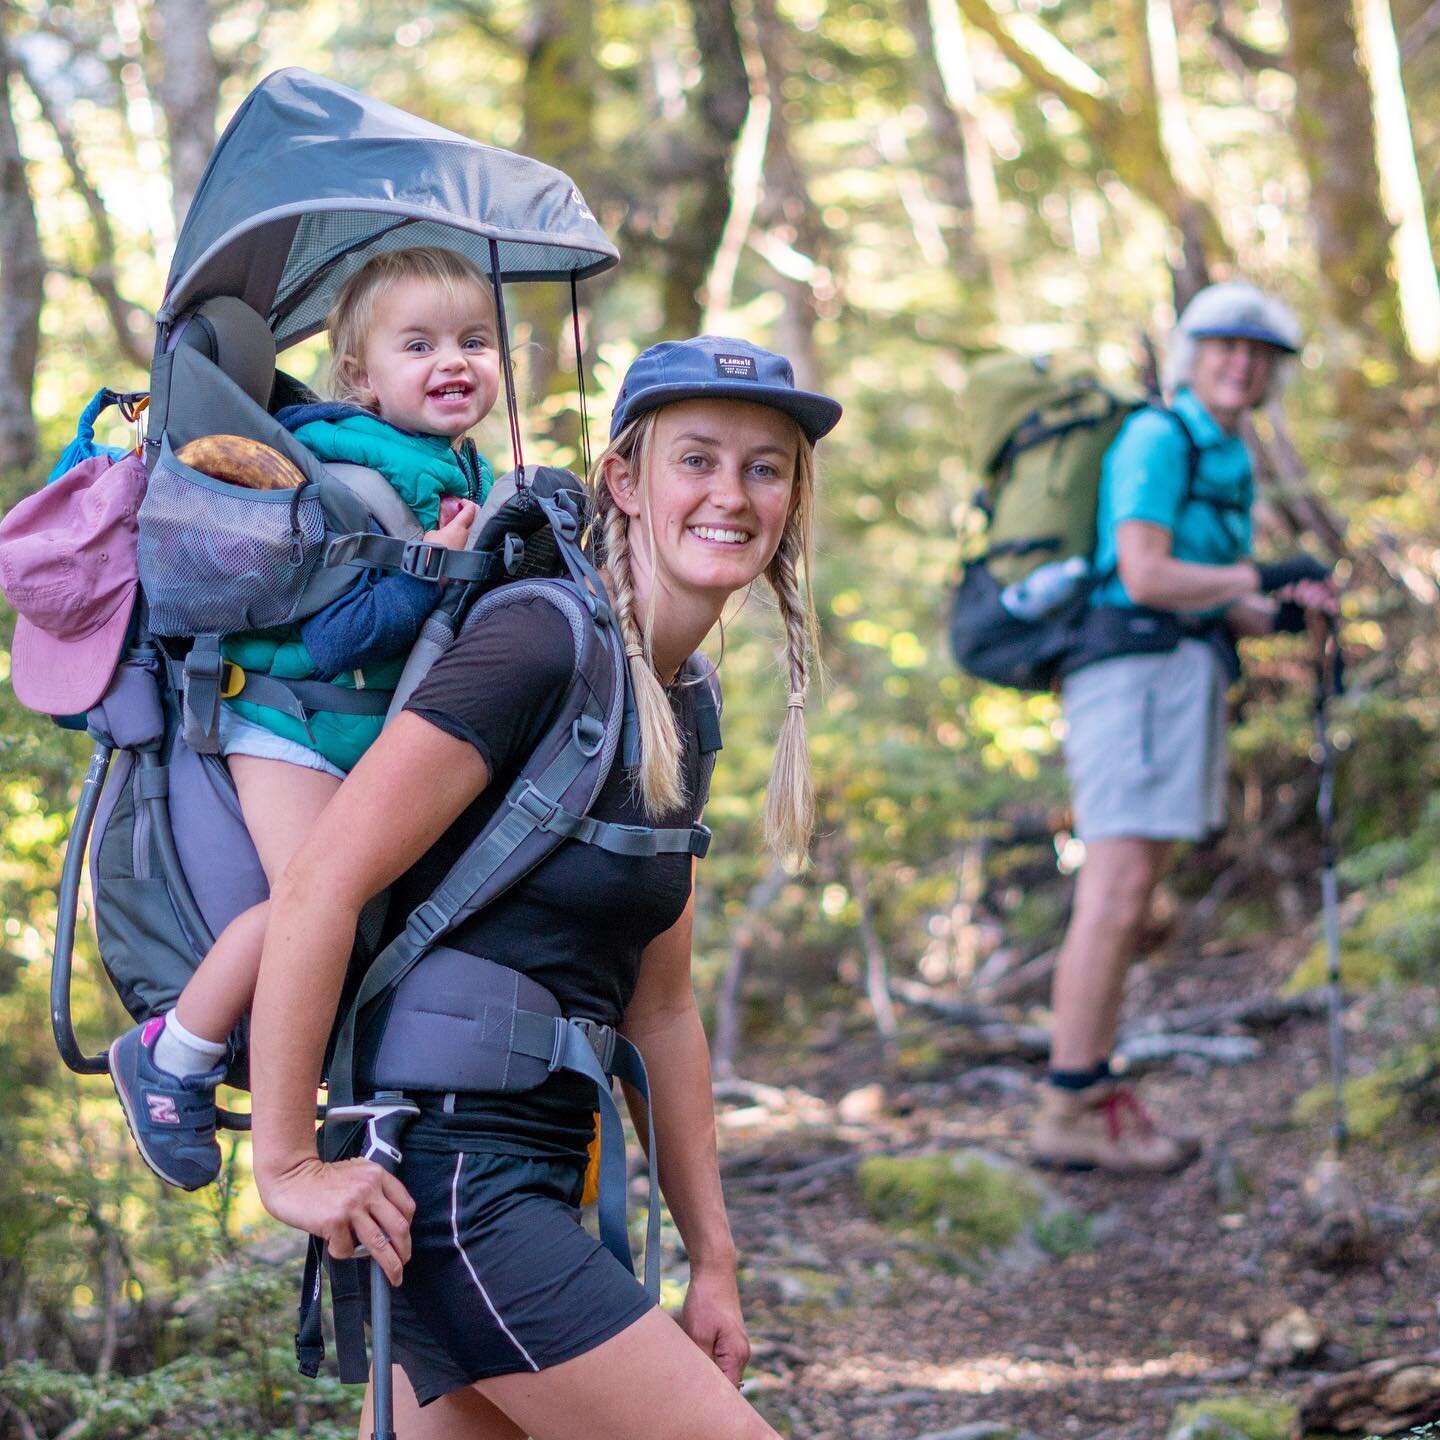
171,1120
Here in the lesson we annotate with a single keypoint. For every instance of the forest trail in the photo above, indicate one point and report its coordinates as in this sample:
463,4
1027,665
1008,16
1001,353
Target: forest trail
867,1333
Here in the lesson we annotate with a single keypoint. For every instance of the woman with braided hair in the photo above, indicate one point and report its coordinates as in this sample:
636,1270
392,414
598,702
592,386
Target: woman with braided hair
509,1319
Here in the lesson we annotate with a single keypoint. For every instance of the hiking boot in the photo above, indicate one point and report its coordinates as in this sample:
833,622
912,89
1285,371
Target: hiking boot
1104,1127
171,1120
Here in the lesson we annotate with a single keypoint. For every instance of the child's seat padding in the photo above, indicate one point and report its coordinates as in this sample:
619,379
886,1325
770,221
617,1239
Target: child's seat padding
235,339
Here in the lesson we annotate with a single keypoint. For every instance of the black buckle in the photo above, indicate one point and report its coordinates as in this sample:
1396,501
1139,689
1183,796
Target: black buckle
700,840
422,559
601,1038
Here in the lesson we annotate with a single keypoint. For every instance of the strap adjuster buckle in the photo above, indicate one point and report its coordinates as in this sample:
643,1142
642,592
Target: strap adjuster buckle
538,806
701,836
424,924
601,1038
423,559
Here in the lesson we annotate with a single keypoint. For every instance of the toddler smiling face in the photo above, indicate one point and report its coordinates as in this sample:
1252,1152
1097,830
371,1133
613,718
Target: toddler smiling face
430,359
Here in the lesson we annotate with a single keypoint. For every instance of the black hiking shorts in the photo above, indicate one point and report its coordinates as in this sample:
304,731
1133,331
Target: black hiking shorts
502,1275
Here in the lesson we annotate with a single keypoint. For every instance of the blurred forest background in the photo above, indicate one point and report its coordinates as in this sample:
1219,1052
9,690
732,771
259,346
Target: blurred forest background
881,189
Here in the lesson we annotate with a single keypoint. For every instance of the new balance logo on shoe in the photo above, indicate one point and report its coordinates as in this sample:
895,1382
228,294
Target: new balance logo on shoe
162,1110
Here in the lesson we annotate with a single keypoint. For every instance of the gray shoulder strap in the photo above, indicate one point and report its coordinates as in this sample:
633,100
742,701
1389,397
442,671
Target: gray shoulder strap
379,497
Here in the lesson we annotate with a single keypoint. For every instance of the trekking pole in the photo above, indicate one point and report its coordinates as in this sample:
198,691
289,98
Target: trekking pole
1330,681
385,1118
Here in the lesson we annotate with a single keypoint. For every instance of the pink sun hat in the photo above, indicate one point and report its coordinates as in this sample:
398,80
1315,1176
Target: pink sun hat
68,566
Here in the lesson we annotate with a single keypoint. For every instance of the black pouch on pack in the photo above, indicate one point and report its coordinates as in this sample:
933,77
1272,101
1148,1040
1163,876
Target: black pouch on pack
992,644
450,1025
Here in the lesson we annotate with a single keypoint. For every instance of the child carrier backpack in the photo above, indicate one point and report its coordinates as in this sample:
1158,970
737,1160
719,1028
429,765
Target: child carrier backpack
1036,429
260,257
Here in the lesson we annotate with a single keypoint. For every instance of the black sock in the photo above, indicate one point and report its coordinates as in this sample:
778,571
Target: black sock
1079,1079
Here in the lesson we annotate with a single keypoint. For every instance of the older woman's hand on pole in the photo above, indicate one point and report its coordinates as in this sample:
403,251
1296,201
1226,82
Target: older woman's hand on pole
345,1203
711,1318
1321,595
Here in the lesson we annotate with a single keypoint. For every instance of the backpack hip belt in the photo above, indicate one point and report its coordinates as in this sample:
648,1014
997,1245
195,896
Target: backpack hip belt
551,1043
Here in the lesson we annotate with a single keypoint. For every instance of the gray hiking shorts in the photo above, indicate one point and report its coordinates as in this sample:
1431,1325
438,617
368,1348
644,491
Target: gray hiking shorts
1145,745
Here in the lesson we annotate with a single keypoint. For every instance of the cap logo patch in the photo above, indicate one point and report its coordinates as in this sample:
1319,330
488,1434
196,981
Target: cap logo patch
735,367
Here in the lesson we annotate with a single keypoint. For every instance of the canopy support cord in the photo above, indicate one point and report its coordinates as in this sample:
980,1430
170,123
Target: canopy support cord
512,405
580,370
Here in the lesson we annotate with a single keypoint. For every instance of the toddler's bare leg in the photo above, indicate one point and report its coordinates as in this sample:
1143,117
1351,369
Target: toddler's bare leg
280,802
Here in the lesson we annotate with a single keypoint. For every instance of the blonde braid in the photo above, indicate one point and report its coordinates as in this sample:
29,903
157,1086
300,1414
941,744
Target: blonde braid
790,798
661,749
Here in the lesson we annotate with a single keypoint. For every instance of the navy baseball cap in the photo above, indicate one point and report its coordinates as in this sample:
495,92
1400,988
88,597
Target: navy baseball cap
715,367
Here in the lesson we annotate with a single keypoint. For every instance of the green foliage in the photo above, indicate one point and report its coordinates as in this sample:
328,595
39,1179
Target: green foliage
1401,1088
1234,1417
974,1207
232,1375
1396,934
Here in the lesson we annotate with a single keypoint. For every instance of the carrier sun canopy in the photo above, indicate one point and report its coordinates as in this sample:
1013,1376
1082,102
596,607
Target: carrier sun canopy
310,179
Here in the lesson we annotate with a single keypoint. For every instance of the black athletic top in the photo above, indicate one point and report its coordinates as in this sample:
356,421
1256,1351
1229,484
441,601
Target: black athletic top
577,922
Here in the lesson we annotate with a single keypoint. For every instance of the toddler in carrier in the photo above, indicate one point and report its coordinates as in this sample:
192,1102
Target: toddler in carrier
414,367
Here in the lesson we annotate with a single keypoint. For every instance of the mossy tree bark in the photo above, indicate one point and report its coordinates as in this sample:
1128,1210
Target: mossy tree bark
22,277
1125,129
558,110
1335,133
794,240
718,106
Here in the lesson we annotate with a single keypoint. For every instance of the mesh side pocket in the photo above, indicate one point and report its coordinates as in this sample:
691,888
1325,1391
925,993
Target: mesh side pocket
216,559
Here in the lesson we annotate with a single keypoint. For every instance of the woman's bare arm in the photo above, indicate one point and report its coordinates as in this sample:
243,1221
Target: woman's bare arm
1153,576
407,790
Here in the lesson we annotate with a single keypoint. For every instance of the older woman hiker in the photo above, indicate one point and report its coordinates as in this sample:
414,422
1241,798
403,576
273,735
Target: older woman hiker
510,1319
1145,747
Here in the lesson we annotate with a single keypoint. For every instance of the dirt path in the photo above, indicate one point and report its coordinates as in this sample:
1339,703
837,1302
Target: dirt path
863,1334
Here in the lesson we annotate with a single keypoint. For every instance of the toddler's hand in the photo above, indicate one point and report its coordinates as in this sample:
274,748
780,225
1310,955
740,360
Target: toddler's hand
456,518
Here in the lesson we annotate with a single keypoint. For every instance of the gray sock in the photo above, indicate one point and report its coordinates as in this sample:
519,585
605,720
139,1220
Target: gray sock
181,1053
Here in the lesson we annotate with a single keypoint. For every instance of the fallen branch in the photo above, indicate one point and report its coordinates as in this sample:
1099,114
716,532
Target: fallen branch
1027,981
1256,1012
1140,1050
1383,1397
777,1182
913,992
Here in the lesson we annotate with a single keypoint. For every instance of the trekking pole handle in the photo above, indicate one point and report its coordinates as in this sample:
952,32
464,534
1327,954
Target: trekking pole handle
385,1118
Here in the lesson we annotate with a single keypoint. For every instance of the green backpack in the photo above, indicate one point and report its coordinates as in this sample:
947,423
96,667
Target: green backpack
1035,431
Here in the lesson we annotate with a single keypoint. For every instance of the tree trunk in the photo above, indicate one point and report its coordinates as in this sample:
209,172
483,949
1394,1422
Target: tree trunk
189,92
719,104
558,108
947,159
22,279
1335,133
1417,285
794,236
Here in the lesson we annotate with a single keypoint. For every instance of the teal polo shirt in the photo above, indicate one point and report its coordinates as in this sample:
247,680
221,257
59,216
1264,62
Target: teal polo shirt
1144,477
